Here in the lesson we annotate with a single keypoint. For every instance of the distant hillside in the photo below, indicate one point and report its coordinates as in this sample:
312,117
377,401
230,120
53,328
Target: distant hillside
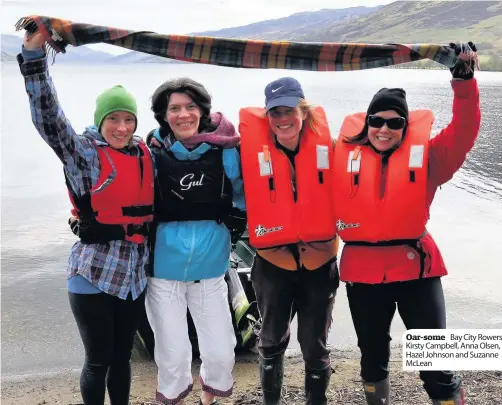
11,46
293,27
422,21
7,57
399,22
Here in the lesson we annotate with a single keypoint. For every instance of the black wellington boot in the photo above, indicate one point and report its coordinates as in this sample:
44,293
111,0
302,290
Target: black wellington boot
377,393
271,376
316,385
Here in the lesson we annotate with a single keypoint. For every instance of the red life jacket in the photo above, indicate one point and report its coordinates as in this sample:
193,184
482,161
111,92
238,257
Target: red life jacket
366,217
122,198
286,205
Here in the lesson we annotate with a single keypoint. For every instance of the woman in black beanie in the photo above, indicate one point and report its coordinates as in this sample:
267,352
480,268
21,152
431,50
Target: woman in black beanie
387,170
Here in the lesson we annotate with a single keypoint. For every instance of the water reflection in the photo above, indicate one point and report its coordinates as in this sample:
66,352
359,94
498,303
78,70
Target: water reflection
481,174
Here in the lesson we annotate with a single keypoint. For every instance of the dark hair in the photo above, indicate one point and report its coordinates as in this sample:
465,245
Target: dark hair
195,90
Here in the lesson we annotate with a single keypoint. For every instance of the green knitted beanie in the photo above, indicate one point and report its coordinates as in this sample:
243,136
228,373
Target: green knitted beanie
115,99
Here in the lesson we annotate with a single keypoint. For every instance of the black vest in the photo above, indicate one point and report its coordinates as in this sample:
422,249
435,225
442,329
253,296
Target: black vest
191,190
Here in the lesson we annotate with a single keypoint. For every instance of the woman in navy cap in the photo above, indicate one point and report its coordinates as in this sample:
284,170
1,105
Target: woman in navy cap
286,152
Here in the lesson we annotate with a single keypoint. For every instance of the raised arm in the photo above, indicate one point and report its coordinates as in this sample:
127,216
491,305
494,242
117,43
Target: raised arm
76,152
449,148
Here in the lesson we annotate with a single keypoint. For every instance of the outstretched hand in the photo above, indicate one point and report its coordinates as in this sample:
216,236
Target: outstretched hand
467,60
33,41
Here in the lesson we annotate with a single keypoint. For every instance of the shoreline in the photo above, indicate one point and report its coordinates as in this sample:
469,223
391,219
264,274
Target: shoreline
62,387
177,62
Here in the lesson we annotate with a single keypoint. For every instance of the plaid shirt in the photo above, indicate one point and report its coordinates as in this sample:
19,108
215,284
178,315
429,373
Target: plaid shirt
117,267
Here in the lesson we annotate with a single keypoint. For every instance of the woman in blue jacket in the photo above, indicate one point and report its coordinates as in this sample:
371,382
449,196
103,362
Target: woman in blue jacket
198,187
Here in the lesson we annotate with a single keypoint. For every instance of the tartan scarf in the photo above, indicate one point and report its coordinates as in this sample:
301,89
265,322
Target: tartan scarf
238,53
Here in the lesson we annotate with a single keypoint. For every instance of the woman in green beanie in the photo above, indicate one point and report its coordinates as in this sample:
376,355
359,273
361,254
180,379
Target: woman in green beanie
109,175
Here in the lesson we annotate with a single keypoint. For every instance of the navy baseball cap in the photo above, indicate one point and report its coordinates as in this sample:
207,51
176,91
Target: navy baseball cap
285,92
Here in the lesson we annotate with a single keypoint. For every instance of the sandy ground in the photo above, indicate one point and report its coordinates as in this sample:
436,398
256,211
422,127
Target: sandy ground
483,388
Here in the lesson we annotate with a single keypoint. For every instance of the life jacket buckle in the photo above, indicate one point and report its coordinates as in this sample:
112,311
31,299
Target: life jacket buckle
266,153
136,229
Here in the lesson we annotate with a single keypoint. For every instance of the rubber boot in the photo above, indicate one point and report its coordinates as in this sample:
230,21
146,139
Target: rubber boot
271,376
377,393
458,399
316,384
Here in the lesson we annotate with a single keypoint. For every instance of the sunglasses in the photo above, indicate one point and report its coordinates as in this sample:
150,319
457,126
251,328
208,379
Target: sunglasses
392,123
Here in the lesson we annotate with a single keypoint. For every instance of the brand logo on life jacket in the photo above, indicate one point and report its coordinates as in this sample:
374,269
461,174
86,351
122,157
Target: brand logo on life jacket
187,182
260,230
340,225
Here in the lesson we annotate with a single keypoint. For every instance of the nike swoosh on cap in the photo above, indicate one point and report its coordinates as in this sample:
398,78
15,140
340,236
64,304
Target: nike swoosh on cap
278,88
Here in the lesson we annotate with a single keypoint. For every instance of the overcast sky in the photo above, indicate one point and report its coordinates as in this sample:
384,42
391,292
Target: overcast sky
166,16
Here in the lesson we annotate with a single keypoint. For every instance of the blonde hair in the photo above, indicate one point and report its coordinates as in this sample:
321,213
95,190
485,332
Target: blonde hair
314,120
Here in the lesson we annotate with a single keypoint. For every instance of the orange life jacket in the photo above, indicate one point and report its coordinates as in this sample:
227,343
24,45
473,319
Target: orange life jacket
286,205
122,196
361,213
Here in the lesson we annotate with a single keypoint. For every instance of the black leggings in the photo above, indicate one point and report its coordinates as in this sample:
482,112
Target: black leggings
107,325
421,306
310,294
